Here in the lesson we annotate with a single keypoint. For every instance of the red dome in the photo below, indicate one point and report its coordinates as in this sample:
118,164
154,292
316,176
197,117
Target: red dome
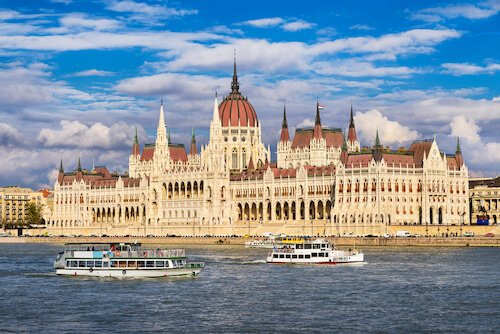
235,109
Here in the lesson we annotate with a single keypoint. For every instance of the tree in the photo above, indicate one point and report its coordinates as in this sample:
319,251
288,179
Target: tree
34,213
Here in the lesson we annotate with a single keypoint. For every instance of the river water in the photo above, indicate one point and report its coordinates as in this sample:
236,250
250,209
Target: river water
398,290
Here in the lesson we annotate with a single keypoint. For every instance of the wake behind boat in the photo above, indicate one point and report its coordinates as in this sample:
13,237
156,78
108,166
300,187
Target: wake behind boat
306,251
123,260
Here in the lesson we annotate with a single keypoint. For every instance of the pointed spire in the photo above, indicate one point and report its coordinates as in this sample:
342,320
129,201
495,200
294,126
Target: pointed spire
285,137
377,141
79,168
351,136
136,139
344,144
317,132
61,169
235,86
215,117
351,121
458,150
193,150
168,136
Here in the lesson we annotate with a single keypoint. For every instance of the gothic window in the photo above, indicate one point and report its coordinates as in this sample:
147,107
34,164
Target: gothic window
243,158
235,159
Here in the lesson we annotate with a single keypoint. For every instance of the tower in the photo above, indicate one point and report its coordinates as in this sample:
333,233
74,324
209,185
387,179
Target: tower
161,154
352,139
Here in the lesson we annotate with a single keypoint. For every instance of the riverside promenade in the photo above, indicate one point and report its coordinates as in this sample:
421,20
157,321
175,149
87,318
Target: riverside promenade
479,241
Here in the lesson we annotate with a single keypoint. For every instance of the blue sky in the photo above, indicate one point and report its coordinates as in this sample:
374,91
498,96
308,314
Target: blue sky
77,77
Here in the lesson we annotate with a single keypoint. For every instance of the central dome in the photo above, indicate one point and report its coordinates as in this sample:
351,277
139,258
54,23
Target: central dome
235,109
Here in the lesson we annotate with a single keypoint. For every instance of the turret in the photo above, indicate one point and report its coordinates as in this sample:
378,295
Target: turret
344,154
135,148
193,151
377,148
285,137
60,175
161,153
458,154
352,139
317,132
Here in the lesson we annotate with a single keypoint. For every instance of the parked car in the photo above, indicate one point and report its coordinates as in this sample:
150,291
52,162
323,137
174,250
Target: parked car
489,235
468,234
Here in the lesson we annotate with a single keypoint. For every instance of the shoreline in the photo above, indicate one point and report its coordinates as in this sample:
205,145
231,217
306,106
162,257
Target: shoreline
240,241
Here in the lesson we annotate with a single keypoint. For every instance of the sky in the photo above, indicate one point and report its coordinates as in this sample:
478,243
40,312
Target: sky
77,77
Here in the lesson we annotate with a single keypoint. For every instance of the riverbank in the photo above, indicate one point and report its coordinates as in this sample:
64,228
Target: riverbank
240,241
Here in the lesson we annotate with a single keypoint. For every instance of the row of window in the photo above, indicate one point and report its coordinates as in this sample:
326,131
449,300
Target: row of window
124,263
299,256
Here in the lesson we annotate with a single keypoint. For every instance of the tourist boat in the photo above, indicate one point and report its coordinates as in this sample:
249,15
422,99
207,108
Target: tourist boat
307,251
123,260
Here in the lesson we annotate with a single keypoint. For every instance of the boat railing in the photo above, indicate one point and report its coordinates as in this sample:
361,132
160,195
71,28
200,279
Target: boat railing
140,253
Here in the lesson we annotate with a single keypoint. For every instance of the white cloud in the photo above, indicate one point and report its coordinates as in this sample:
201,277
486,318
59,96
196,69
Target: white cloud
297,25
148,14
78,135
305,123
390,132
79,20
93,72
355,68
476,11
9,136
459,69
463,128
265,22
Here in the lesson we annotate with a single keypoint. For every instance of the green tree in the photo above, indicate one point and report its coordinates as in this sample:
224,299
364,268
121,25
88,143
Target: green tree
34,213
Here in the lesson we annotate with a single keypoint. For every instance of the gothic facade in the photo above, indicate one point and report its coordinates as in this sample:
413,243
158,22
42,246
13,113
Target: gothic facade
322,183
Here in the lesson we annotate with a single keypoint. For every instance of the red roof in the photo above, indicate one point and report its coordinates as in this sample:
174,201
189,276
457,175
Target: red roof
177,152
302,138
397,159
147,153
236,110
452,162
356,159
418,149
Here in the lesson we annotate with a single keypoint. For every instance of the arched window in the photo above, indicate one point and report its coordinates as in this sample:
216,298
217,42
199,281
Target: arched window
243,158
235,159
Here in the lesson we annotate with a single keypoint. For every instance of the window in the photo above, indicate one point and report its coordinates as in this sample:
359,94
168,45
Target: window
314,254
316,246
90,264
141,264
159,264
308,256
275,256
282,256
132,264
98,264
301,256
307,246
150,264
81,264
294,256
287,256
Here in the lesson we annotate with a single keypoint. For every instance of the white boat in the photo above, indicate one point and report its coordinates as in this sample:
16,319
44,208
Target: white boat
307,251
261,243
123,260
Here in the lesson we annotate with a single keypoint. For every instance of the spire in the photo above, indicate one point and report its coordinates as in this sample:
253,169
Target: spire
61,169
79,168
285,137
344,144
135,147
351,136
215,117
235,86
317,132
458,150
193,150
168,136
250,164
344,155
377,141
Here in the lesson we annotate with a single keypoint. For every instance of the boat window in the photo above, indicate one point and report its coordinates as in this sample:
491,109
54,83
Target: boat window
98,264
314,254
321,254
323,246
90,264
141,264
282,256
316,246
159,264
294,256
301,256
105,264
81,264
122,264
288,256
167,263
150,264
307,246
114,264
299,246
308,256
132,264
74,263
275,256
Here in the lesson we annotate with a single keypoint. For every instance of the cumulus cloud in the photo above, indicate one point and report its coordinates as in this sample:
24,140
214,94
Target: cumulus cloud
265,22
77,134
475,11
297,25
361,27
459,69
463,128
80,20
9,136
148,14
390,132
356,68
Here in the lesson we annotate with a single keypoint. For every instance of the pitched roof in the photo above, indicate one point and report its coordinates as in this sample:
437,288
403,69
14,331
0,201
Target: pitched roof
303,136
419,148
177,152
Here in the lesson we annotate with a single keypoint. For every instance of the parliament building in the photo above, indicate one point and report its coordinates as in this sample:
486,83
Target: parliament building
322,183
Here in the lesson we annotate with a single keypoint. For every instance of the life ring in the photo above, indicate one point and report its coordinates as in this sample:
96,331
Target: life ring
91,269
124,272
118,253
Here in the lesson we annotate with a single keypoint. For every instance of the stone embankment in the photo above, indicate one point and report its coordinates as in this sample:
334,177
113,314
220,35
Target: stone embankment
343,241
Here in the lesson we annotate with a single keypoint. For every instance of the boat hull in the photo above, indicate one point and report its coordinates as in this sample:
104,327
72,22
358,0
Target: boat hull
129,272
356,258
